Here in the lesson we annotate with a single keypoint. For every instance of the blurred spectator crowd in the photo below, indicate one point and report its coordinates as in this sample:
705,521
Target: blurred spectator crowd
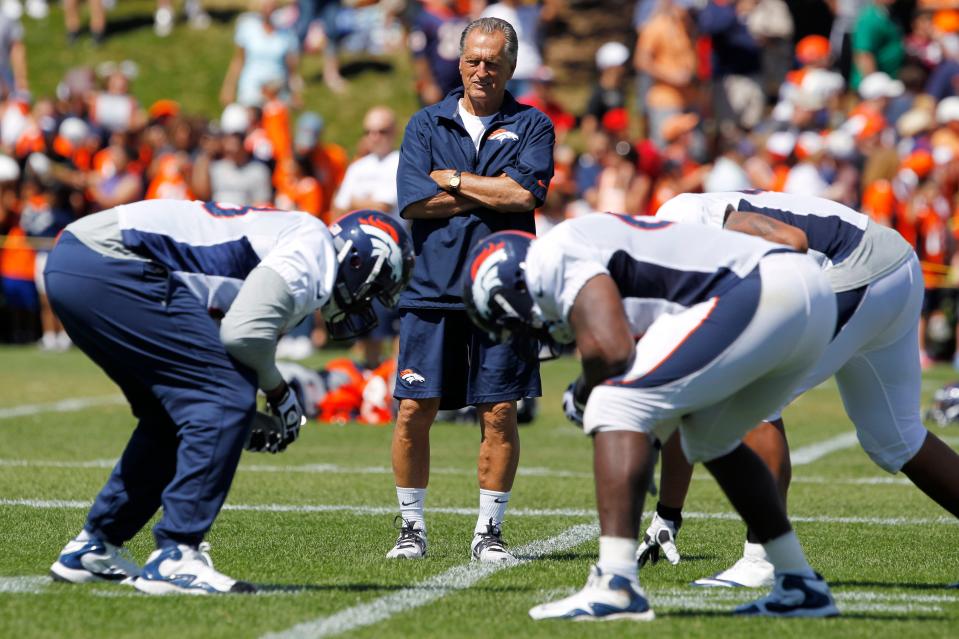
861,107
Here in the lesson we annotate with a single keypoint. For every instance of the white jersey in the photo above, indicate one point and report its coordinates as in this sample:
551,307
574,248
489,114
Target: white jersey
659,267
212,247
851,249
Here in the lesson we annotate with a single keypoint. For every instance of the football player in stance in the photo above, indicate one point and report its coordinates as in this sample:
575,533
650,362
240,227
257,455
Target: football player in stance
874,355
712,356
181,304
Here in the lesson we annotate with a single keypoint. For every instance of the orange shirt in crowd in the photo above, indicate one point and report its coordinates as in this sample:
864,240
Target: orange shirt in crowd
276,127
298,192
169,183
17,258
329,162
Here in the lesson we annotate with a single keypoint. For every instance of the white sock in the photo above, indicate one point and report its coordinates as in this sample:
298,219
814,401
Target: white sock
412,501
492,509
754,551
617,555
786,555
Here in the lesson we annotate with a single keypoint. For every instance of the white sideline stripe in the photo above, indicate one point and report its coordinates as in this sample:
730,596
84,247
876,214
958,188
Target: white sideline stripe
429,590
62,504
24,585
63,406
382,470
814,452
741,594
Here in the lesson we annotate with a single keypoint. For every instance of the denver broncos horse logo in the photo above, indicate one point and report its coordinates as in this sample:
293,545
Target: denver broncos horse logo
502,135
410,376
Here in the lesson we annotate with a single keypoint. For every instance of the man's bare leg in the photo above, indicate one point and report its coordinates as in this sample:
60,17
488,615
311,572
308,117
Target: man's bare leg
496,470
411,472
934,471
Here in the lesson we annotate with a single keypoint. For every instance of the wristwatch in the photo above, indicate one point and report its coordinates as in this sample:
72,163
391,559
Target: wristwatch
454,183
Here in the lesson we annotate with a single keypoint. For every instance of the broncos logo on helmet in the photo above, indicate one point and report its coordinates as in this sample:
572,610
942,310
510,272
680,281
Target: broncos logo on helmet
374,256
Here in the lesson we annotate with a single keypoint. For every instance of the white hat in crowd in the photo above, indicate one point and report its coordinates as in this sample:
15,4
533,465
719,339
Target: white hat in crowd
841,145
74,130
880,85
948,110
611,54
781,143
9,169
235,119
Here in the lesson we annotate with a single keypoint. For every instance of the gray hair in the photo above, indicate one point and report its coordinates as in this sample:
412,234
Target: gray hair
492,25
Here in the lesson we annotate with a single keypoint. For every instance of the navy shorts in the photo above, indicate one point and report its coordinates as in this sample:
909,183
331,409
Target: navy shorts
443,355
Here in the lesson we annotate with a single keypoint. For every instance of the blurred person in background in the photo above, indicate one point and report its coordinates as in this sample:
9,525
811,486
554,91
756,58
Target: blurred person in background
666,54
115,109
236,177
327,38
13,57
736,62
327,160
435,41
608,92
524,16
263,54
542,96
771,24
71,18
877,43
118,179
370,183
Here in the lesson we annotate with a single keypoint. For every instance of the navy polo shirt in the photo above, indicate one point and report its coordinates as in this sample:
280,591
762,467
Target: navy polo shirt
518,142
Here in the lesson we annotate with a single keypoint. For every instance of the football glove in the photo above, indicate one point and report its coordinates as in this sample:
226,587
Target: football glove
574,402
660,536
290,414
266,434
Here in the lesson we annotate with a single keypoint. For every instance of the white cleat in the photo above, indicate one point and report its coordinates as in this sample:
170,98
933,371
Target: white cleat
411,543
186,570
794,596
87,559
605,598
489,546
753,570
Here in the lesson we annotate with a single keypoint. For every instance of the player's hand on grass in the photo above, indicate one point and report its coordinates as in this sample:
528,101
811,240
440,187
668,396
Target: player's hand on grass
288,411
574,402
660,537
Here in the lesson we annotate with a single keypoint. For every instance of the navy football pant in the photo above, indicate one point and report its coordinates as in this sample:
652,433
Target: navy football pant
194,403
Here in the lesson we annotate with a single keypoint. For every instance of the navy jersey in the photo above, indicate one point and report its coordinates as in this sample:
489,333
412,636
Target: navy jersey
436,37
518,143
659,267
851,249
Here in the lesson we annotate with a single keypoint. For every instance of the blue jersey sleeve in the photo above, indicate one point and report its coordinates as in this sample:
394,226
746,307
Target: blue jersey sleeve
533,168
413,181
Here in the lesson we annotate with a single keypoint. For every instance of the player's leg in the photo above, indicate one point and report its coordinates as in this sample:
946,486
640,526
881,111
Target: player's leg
212,400
499,374
104,304
420,369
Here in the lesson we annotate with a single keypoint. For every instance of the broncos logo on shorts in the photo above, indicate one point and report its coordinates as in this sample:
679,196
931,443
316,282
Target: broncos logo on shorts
410,376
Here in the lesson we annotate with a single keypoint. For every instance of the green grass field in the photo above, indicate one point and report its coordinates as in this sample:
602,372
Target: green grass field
311,527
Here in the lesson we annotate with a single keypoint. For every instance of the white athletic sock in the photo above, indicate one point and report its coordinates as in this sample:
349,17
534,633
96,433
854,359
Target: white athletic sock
412,501
786,555
617,555
492,506
754,551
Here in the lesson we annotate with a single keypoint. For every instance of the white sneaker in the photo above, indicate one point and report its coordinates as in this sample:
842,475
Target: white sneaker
753,570
489,546
63,341
182,569
794,596
163,22
411,543
86,559
605,598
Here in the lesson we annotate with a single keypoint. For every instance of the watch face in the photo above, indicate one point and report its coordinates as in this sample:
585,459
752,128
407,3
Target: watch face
455,181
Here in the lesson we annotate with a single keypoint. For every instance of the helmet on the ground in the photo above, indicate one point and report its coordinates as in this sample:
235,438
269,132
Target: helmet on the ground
374,256
945,406
495,292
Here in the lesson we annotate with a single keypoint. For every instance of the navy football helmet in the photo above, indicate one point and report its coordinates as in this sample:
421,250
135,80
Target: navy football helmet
374,256
497,298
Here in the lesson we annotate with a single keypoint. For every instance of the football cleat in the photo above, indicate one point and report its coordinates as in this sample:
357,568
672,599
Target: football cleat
183,569
753,570
605,598
86,559
794,596
489,546
411,543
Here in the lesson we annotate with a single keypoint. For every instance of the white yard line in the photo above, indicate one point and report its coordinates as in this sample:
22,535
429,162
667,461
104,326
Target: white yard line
24,585
814,452
60,504
62,406
429,590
